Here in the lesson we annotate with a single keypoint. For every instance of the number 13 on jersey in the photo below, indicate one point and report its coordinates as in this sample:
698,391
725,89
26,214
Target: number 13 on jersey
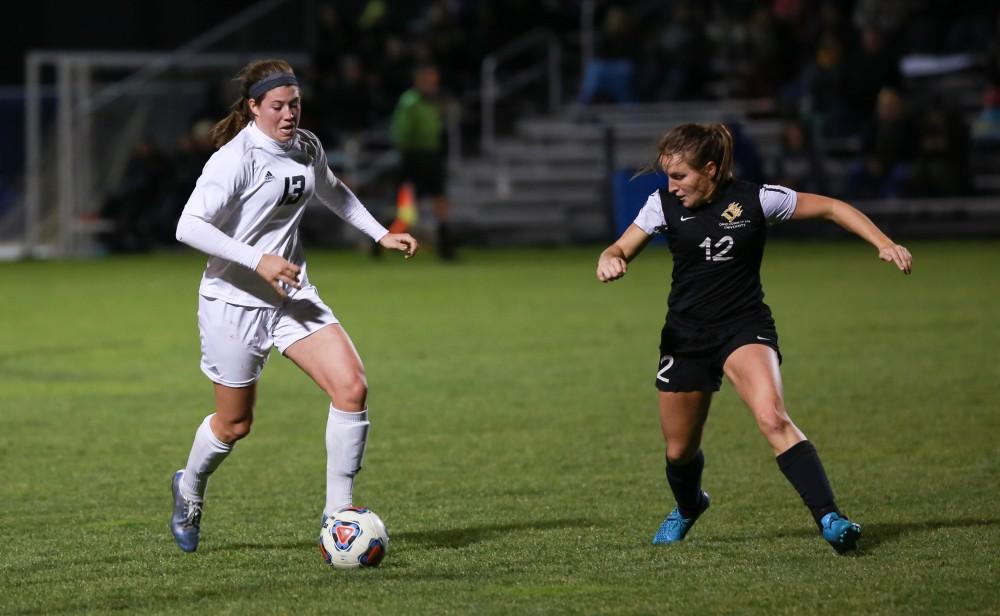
293,190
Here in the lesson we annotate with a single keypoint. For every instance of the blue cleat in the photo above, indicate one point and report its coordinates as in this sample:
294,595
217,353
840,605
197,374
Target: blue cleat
185,524
676,526
840,532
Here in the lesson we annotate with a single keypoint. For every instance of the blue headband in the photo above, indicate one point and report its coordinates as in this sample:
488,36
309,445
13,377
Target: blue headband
270,82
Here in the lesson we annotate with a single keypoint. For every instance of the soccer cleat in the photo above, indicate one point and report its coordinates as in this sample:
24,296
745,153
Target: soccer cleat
322,525
676,526
327,556
840,532
185,524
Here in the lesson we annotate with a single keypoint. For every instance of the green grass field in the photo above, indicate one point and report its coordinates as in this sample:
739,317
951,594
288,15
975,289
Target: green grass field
515,453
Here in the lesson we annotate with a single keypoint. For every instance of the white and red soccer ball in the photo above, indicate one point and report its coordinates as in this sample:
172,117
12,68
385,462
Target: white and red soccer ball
353,537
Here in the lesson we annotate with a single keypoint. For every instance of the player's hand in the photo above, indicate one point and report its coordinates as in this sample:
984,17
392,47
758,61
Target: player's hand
899,255
278,272
611,268
402,242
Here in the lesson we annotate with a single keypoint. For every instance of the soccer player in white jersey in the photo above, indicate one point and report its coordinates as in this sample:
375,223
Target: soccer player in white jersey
717,322
255,293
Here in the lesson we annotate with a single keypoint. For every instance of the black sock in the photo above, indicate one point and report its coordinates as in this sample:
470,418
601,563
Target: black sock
804,471
685,483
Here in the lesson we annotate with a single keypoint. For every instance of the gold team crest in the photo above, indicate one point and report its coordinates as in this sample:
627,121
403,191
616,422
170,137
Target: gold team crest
732,212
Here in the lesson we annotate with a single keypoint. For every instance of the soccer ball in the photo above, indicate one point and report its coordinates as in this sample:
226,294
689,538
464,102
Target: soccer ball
353,537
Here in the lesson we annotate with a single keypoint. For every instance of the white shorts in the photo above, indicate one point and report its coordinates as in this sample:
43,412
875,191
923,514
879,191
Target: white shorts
236,340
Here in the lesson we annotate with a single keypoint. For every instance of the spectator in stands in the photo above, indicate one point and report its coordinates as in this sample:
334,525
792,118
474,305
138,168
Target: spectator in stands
747,161
193,151
820,95
444,37
942,165
418,135
887,152
333,37
334,33
870,69
986,129
799,164
133,211
884,15
351,97
390,74
609,76
770,55
374,23
677,65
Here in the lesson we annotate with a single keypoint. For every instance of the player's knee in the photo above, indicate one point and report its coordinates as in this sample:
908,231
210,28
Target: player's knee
234,431
350,392
681,453
772,419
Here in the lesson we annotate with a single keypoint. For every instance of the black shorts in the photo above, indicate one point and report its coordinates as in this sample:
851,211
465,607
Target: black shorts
692,355
426,170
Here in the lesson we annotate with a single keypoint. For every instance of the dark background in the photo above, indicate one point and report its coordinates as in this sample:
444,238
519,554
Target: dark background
104,25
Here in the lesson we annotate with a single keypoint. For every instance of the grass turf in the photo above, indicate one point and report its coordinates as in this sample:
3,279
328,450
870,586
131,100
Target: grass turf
515,454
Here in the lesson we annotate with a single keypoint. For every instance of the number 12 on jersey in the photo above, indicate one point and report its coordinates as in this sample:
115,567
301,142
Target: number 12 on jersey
725,244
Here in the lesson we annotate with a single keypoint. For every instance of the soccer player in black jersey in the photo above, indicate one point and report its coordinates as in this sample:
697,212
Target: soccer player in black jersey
717,322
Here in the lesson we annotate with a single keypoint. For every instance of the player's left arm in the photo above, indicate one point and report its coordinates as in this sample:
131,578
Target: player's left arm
818,206
336,196
342,200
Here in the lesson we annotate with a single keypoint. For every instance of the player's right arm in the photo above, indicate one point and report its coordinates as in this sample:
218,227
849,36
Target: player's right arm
613,262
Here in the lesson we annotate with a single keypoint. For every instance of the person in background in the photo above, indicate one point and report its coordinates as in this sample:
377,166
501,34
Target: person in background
986,127
890,145
942,166
135,209
418,134
799,164
610,74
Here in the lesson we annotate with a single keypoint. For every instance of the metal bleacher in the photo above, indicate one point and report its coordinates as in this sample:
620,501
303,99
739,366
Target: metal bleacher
549,182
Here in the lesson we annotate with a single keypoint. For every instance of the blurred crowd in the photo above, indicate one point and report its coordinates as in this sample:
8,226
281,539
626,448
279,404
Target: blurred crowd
367,51
362,65
865,80
856,123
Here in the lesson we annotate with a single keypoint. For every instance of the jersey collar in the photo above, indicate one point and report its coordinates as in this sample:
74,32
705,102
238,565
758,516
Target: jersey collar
259,138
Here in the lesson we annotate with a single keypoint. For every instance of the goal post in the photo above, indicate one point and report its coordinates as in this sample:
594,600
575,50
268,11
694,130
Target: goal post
86,111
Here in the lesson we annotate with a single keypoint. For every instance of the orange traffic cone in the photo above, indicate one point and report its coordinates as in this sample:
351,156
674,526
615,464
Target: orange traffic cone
406,209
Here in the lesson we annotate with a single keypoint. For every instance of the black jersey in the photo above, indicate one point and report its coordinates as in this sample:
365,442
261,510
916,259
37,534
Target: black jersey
717,249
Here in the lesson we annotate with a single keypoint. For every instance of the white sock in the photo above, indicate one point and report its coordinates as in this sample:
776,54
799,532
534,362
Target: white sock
207,453
346,437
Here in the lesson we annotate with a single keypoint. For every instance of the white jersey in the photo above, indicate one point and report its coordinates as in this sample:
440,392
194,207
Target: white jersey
249,201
